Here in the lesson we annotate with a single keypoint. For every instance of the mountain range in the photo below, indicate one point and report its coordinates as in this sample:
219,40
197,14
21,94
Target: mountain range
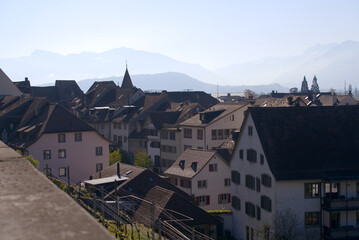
333,64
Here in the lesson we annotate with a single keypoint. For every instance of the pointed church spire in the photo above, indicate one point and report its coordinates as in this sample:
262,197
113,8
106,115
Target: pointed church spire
304,88
126,82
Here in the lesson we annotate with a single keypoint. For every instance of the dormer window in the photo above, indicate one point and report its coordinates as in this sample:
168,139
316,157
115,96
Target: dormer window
181,164
194,166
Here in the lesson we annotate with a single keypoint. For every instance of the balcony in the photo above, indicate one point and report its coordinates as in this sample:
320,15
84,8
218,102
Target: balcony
340,204
347,232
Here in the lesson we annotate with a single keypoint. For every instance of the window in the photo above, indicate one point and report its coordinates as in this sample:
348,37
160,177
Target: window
202,184
224,198
62,172
115,125
203,200
357,218
252,155
125,139
46,154
357,188
227,182
99,167
258,213
78,137
226,133
119,125
236,203
124,126
247,233
214,134
172,135
258,184
250,209
115,139
266,203
213,167
220,134
187,133
98,151
250,182
236,177
331,190
266,180
312,219
262,159
61,137
241,154
334,219
250,131
199,134
62,153
119,138
164,135
185,183
312,190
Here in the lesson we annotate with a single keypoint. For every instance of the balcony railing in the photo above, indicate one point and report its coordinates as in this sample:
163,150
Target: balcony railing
340,204
347,232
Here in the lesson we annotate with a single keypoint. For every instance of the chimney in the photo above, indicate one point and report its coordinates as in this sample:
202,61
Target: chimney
228,94
290,100
118,170
26,79
235,136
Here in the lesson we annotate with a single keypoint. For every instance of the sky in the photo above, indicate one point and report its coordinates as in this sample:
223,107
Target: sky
213,34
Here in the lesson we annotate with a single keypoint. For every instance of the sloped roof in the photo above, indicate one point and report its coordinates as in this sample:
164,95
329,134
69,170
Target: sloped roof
160,118
169,200
141,180
286,101
126,82
44,117
213,114
7,87
184,165
309,143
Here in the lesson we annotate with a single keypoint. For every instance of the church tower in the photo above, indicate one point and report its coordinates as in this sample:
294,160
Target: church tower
126,82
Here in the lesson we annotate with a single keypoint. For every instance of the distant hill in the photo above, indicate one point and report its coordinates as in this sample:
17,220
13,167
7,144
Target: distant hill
172,81
331,63
43,67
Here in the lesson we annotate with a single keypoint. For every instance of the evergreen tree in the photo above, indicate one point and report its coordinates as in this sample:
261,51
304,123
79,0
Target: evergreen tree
315,86
304,88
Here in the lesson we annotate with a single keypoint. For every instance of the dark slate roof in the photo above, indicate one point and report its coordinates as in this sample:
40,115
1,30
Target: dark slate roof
139,180
160,118
126,82
49,92
204,99
169,200
309,143
44,117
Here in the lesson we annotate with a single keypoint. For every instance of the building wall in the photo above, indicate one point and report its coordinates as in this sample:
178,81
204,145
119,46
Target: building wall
215,184
80,156
240,219
121,132
168,158
232,121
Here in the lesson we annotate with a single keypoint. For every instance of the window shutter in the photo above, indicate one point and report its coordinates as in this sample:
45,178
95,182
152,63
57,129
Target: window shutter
229,197
189,184
207,200
176,181
210,167
181,182
219,199
197,201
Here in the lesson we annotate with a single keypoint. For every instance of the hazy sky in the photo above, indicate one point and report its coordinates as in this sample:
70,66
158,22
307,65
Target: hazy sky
210,33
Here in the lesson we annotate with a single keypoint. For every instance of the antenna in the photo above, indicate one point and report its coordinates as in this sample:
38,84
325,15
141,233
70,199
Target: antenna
345,87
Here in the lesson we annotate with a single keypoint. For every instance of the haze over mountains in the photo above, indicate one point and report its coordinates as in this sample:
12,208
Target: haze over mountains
331,63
